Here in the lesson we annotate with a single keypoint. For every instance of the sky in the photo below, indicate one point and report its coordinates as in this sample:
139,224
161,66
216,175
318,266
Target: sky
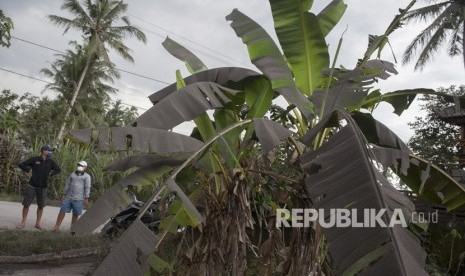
200,25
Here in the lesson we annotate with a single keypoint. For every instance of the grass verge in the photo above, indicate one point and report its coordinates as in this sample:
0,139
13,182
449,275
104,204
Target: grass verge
10,197
26,243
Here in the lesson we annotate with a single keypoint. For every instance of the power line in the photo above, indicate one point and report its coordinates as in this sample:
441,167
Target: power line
142,76
197,50
39,45
152,32
61,52
190,40
16,73
41,80
164,36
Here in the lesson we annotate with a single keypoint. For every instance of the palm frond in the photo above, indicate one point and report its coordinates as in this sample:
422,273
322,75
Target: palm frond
121,49
425,13
430,48
423,37
456,42
130,31
64,22
115,11
75,8
448,19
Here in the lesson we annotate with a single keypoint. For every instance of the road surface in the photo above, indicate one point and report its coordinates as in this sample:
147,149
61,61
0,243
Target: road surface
10,216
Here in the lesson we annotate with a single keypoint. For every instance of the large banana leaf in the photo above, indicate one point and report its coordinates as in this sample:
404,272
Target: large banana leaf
402,99
258,96
194,215
267,57
377,133
146,140
115,199
178,214
185,105
131,254
302,41
222,76
342,175
425,179
147,160
377,42
351,86
330,15
193,63
270,133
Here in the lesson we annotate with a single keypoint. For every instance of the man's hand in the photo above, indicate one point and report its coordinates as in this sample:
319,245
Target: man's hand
86,202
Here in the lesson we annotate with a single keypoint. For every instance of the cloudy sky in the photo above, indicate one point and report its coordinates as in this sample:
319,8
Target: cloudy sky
200,25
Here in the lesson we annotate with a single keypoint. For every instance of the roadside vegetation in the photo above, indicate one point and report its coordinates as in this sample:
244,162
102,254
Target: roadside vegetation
26,243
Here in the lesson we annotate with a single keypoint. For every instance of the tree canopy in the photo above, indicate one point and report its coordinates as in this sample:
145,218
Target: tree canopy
6,25
434,139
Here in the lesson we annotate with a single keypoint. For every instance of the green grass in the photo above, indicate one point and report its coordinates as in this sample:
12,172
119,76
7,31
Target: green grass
10,197
25,243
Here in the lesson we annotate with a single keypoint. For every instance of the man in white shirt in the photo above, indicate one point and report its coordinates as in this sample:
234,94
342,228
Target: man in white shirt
75,194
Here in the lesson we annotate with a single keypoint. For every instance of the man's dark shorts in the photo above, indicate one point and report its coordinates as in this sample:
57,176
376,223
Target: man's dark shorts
32,192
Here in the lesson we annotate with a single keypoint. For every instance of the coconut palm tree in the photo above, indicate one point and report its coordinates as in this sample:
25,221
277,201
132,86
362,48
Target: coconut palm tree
94,92
97,19
446,28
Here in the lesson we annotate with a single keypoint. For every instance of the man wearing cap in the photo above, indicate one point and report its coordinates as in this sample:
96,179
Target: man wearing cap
75,194
41,166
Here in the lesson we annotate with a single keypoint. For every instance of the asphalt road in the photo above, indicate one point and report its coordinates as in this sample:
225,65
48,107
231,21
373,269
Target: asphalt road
10,217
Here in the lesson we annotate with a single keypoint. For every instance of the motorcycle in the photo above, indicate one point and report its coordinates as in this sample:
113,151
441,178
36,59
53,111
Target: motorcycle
119,223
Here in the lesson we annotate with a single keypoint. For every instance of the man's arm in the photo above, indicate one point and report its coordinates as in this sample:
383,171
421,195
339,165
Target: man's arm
87,187
26,165
55,168
87,190
65,190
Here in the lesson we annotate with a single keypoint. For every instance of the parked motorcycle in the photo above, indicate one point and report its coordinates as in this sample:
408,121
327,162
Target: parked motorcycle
119,223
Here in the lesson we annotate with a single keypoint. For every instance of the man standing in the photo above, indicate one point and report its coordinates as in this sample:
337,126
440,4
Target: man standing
75,194
41,166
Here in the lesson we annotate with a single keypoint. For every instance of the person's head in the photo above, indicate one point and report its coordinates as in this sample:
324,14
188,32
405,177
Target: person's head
81,166
46,150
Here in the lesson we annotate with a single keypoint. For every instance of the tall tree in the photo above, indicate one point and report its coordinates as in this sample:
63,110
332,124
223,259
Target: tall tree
434,139
94,92
97,19
6,24
446,29
118,116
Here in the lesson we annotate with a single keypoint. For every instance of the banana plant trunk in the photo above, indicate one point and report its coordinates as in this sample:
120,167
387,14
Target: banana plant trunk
221,248
61,132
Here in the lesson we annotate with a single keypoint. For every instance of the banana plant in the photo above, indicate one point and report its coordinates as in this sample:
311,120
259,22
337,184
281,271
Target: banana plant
336,152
